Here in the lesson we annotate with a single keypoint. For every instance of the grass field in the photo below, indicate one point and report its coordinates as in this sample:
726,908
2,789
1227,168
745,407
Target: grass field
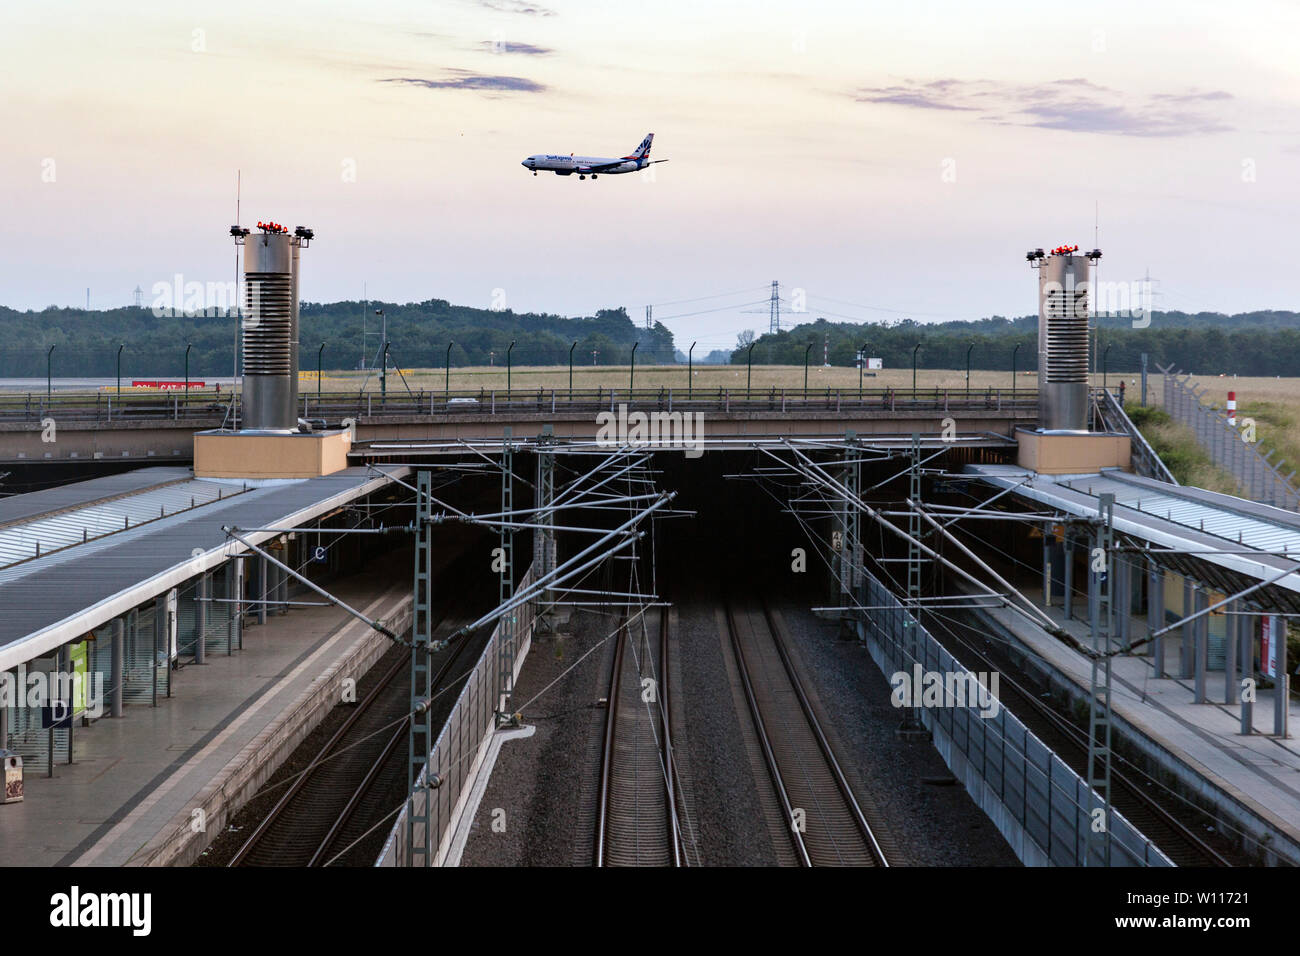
1274,404
675,377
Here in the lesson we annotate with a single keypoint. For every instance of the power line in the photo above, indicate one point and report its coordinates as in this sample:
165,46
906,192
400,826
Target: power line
723,308
719,295
877,308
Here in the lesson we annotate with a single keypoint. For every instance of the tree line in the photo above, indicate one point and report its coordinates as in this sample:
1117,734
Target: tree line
1234,345
86,342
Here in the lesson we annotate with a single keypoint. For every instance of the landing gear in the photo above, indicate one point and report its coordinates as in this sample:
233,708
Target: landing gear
534,172
593,175
583,177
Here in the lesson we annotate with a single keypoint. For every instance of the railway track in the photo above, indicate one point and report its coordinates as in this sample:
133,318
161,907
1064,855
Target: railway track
1183,845
826,824
323,812
636,816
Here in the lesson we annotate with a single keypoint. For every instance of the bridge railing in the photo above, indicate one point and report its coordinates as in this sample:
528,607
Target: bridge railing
207,409
1108,412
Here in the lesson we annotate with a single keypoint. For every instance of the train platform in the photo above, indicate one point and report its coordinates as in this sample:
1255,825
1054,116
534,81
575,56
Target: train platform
1259,773
156,785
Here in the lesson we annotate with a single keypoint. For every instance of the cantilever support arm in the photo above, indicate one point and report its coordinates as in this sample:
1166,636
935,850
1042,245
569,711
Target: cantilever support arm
234,533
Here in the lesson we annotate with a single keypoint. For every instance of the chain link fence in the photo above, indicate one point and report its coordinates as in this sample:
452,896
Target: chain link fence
1043,808
1232,448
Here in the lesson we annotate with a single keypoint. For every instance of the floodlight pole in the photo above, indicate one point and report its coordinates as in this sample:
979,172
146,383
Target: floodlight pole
446,387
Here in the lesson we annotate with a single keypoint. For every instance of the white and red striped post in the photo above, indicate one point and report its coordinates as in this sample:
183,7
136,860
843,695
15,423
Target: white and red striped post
1232,409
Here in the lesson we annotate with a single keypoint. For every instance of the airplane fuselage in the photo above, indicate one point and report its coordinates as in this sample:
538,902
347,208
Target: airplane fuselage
568,165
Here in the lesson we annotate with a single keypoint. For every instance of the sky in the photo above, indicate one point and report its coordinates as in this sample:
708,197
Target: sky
879,160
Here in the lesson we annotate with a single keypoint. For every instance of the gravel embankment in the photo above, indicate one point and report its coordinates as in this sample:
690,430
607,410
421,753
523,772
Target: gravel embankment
932,825
545,784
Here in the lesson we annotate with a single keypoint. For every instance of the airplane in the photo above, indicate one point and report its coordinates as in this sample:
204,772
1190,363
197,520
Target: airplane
586,166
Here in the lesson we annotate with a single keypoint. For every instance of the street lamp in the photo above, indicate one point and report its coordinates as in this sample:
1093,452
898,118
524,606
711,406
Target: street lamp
749,368
571,348
383,365
446,388
512,345
320,354
968,351
188,346
690,370
631,373
383,378
914,351
862,364
806,353
1104,356
48,364
1013,369
119,375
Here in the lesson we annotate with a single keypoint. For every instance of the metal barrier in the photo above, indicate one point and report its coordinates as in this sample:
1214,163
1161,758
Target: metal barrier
1258,476
209,411
464,734
1143,460
1039,804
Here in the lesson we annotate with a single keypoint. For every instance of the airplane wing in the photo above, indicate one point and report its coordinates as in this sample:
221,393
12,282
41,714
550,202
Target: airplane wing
601,167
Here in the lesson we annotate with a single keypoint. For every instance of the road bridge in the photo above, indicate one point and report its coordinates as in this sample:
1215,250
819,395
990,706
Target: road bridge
160,428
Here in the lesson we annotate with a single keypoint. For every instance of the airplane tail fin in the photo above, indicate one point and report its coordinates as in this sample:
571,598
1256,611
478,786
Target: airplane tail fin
643,150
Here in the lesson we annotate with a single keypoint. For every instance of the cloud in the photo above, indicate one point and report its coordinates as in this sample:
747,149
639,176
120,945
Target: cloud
517,6
1193,96
1074,105
903,96
469,80
510,46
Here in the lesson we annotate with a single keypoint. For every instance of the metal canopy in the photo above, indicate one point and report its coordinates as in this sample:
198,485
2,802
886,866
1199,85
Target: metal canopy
24,540
1220,539
49,601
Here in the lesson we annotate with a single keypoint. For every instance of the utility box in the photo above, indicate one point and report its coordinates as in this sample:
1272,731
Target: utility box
12,765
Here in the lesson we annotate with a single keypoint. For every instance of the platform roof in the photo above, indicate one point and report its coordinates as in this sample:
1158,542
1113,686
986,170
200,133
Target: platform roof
49,601
79,493
1246,541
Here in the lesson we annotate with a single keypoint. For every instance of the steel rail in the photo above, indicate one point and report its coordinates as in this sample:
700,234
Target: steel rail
300,781
398,737
840,781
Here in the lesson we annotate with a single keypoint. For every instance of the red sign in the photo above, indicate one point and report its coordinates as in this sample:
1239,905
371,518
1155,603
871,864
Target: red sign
180,386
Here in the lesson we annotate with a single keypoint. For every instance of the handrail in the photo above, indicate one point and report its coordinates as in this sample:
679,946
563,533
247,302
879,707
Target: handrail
209,409
1144,459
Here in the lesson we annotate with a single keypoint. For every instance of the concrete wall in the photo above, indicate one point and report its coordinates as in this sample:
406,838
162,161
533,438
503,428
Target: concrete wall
1073,454
1157,760
241,779
235,455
